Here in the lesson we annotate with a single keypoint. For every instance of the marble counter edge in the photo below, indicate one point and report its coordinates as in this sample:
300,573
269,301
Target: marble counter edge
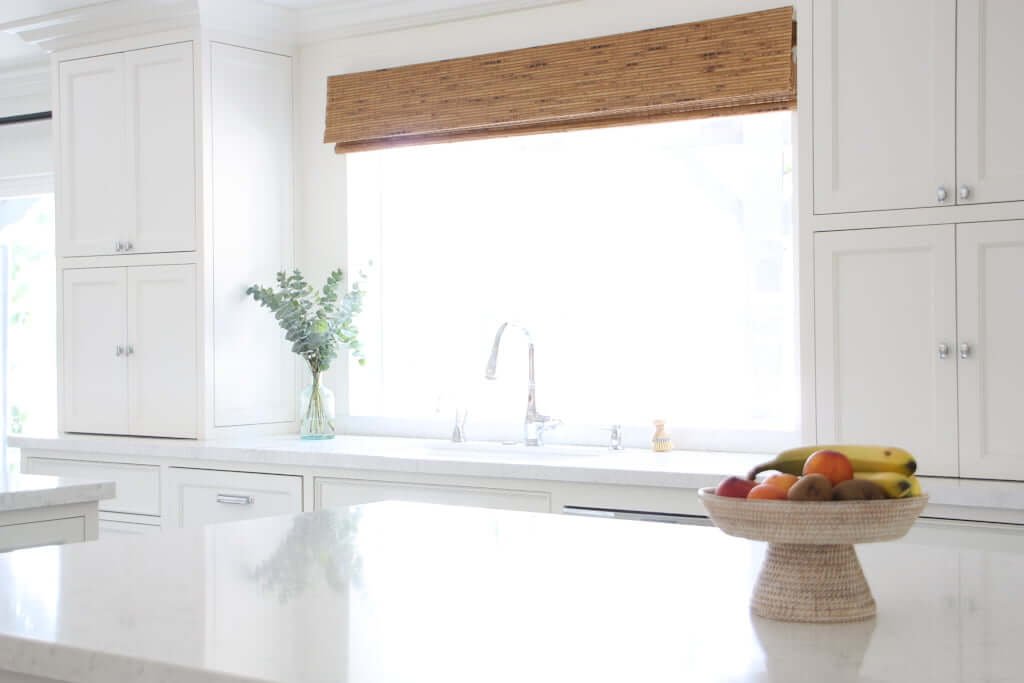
67,493
70,664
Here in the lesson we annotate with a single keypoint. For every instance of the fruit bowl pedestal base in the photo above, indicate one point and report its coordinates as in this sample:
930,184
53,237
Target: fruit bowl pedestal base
812,583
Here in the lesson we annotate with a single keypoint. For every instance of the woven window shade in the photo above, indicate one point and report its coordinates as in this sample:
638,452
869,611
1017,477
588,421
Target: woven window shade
734,65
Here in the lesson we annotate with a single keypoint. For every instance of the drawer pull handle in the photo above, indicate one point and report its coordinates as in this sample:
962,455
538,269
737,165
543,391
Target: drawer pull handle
228,499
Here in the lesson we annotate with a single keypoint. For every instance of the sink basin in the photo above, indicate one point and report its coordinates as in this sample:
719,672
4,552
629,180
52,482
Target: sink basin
519,449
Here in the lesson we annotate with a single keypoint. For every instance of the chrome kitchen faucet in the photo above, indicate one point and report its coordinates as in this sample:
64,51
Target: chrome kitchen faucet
535,424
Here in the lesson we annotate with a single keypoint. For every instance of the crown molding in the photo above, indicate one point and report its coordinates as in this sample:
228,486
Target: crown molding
317,24
118,19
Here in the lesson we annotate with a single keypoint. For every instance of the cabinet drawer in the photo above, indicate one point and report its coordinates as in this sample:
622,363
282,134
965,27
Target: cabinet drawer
49,532
110,528
341,492
198,497
137,487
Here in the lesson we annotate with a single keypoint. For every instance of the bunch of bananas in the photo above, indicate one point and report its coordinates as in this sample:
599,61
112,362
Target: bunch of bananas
891,468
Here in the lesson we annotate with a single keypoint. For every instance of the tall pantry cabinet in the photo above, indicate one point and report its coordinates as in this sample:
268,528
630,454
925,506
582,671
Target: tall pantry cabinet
916,212
174,193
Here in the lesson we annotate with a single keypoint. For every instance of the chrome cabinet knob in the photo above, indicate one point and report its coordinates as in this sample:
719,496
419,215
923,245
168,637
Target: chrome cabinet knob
940,194
129,351
965,350
119,351
118,246
128,246
943,351
965,192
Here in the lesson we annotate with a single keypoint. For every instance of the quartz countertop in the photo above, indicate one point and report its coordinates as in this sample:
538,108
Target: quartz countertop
398,592
577,464
28,491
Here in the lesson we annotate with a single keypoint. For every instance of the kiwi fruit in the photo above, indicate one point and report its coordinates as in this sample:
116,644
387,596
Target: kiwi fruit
815,487
857,489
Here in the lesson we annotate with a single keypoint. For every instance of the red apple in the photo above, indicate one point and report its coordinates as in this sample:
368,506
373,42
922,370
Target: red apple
734,487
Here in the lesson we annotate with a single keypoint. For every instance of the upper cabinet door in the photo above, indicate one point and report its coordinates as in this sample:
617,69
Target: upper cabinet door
95,377
162,358
162,143
990,288
93,213
884,331
990,101
884,104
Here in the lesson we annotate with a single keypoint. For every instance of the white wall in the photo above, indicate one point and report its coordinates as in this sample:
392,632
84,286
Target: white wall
320,234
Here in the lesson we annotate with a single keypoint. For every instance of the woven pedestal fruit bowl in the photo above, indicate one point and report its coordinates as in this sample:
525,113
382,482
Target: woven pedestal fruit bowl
811,572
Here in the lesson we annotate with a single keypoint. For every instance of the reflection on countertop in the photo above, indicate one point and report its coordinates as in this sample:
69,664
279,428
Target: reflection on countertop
403,592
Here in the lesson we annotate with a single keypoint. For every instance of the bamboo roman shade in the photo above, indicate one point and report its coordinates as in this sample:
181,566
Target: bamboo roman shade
733,65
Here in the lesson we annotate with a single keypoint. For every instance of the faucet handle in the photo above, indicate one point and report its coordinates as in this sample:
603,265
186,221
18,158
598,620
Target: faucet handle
459,432
615,438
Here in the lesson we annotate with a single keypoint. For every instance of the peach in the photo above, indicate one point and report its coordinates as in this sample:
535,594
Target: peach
734,487
832,464
766,492
782,481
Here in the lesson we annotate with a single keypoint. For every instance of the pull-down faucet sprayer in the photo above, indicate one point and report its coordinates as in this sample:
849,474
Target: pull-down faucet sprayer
535,423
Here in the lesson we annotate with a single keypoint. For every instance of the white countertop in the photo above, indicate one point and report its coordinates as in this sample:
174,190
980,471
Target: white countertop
396,593
29,491
587,465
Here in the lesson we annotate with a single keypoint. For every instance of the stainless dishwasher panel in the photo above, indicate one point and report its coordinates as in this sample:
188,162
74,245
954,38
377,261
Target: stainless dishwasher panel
638,515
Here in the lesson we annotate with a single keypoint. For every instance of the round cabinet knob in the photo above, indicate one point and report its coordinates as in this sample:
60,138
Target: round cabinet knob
965,350
118,246
119,351
943,351
940,194
128,246
965,192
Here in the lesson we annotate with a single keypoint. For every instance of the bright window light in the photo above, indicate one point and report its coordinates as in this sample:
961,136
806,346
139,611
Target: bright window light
654,266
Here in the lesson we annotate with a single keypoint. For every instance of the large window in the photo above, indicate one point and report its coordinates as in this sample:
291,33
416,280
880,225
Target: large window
654,266
29,335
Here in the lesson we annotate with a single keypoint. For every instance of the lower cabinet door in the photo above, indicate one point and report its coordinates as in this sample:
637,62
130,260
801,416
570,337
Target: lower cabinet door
48,532
196,497
161,351
341,492
884,336
990,350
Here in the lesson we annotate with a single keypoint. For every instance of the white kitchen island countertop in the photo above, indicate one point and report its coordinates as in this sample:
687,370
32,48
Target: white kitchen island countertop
29,491
398,592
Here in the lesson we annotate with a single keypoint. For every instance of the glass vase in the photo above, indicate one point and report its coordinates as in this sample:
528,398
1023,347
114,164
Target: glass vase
316,406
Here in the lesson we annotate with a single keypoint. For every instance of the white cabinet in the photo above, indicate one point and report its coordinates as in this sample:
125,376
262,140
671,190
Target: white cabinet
884,99
196,497
93,211
343,492
115,528
129,351
43,532
917,103
127,177
95,378
162,367
990,319
136,487
884,303
918,338
161,138
990,101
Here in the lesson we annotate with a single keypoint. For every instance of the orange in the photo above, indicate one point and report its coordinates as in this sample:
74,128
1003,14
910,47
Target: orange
831,464
766,492
782,481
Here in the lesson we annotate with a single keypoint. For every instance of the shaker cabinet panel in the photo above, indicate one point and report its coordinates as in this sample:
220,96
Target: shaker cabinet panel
94,209
884,305
95,374
990,101
884,98
161,137
161,348
990,269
